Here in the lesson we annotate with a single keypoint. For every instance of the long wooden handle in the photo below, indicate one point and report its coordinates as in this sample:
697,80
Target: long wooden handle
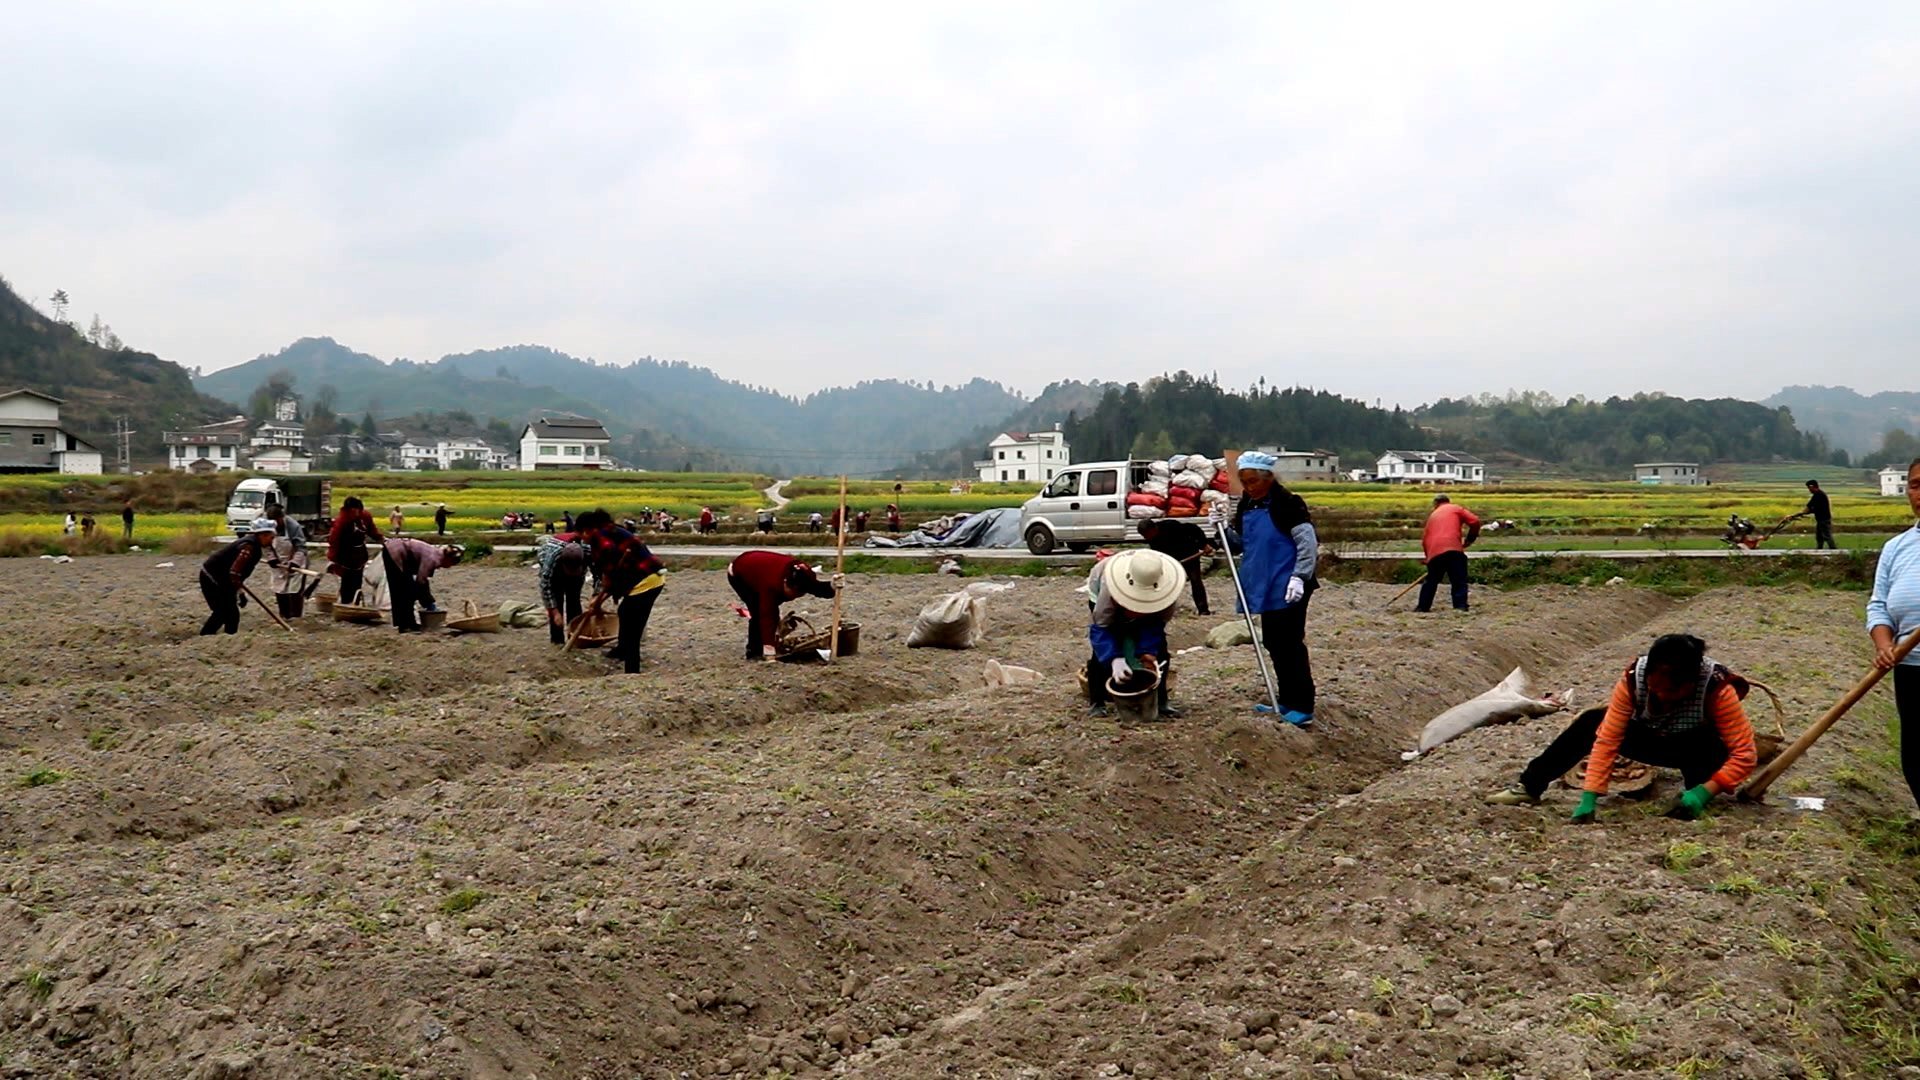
839,567
271,614
1403,592
1756,788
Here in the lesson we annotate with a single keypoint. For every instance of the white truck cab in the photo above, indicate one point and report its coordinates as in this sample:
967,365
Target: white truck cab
249,500
1083,505
307,499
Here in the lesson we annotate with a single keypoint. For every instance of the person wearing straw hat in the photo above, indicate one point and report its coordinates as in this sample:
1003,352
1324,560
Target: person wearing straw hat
223,577
1132,595
1273,533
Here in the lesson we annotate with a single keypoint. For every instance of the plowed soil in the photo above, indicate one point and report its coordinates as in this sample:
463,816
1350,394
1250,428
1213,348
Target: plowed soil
345,853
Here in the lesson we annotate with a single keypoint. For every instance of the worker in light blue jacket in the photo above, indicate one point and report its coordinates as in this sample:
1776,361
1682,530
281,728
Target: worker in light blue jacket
1272,531
1893,612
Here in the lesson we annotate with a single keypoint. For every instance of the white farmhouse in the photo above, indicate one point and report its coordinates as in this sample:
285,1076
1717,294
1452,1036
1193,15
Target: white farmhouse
564,441
282,459
1292,466
32,440
1430,467
1893,481
213,448
1669,473
1015,456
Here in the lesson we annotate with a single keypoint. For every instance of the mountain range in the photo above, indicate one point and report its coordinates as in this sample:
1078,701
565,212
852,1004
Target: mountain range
661,414
1850,420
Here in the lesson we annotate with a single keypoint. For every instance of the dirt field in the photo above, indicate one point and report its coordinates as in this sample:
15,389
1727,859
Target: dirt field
343,853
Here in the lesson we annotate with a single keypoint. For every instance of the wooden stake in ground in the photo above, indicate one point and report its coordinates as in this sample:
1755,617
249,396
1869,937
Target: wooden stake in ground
271,614
1756,788
839,568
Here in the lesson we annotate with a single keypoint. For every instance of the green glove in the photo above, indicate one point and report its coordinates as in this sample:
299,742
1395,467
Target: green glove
1693,803
1584,813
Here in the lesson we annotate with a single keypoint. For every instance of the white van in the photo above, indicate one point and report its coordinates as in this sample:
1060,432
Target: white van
1084,505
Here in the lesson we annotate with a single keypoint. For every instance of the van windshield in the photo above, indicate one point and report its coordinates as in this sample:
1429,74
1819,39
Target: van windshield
249,498
1063,485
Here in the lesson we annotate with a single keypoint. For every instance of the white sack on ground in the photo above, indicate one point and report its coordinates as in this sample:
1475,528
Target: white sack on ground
1511,700
956,620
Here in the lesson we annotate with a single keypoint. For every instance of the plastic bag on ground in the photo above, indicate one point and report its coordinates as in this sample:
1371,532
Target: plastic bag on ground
998,674
956,620
1511,700
515,613
1229,634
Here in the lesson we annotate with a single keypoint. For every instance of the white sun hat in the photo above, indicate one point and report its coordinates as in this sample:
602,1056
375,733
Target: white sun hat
1144,581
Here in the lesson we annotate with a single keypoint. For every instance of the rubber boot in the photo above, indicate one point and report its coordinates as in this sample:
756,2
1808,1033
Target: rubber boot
1168,711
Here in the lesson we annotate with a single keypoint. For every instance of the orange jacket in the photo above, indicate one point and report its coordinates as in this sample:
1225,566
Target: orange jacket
1723,709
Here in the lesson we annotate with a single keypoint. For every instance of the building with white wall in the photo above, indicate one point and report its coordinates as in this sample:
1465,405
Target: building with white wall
1430,467
1669,473
1297,465
32,440
282,459
1016,456
1893,481
213,448
564,441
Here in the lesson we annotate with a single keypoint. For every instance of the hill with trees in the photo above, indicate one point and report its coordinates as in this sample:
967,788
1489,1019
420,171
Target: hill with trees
98,377
662,414
1059,403
1854,422
1180,413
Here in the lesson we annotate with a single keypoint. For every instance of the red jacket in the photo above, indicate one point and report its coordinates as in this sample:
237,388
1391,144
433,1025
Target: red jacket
764,575
358,558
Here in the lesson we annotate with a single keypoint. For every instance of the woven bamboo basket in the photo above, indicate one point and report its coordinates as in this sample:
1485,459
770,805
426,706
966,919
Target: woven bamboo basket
475,621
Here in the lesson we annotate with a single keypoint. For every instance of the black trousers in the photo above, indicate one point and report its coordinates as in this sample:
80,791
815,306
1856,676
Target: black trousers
1199,583
1906,698
1285,633
635,610
224,605
352,578
1823,534
758,636
567,593
291,605
1698,754
400,589
1452,564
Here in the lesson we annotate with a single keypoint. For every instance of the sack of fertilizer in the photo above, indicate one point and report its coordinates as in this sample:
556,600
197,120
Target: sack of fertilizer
1158,486
1177,462
1211,498
1159,470
1511,700
1142,513
956,620
1190,479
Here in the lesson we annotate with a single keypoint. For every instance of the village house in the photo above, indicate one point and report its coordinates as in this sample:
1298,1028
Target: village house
1893,481
282,459
564,441
1669,473
1430,467
32,440
213,448
1293,466
1014,456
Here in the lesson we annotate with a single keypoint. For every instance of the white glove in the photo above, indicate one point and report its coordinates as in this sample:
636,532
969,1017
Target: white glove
1122,671
838,580
1295,590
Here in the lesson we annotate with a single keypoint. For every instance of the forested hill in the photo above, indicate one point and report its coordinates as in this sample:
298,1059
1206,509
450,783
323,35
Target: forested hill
1613,434
662,414
98,378
1057,404
1851,420
1182,413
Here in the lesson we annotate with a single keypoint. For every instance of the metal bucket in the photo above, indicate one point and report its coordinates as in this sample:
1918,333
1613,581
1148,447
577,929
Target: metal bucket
1137,704
433,620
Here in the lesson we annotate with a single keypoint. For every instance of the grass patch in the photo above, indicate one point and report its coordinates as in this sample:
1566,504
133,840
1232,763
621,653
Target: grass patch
1682,855
460,900
42,777
103,738
37,983
1125,993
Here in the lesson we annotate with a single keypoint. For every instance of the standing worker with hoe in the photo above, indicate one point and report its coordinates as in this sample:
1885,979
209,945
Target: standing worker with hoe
1132,595
1445,548
1273,532
1821,508
1187,544
223,577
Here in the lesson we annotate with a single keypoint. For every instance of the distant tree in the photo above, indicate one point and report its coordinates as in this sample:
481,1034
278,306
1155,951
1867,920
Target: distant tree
260,403
60,303
1155,447
96,330
1897,447
367,426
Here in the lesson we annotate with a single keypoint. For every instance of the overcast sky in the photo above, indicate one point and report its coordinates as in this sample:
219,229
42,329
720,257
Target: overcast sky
1394,201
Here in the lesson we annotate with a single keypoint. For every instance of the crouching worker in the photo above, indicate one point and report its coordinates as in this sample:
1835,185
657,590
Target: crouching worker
223,577
1132,595
763,580
563,571
410,564
1674,707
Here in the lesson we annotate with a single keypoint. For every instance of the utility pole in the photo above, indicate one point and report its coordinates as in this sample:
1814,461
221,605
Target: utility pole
125,434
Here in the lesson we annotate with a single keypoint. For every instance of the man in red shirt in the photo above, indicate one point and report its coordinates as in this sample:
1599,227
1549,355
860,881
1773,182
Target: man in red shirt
763,580
1445,548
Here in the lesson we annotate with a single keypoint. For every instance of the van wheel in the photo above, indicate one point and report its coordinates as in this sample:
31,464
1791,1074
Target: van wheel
1079,549
1040,540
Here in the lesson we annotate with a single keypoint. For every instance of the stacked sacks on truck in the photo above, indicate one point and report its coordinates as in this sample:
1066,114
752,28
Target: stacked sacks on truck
1141,513
1220,478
